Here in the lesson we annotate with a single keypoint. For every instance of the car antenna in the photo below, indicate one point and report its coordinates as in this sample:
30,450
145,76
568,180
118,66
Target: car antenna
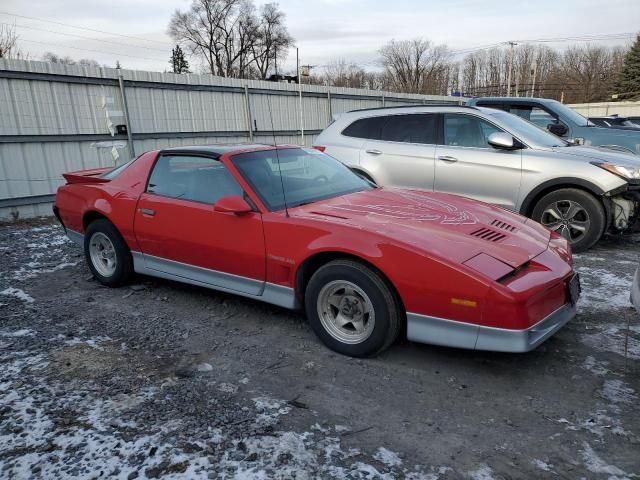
275,145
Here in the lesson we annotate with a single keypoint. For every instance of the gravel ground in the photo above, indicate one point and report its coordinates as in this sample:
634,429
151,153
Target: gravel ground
162,380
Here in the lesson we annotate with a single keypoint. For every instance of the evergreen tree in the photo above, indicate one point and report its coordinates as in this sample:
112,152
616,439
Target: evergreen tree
178,62
628,86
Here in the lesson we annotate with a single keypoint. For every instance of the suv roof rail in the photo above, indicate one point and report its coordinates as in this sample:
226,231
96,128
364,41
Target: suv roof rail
414,106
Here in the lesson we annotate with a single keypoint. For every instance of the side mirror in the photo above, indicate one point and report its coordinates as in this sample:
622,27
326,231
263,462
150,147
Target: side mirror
232,204
502,141
557,129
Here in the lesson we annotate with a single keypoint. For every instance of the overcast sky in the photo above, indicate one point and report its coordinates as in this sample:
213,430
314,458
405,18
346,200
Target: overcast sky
323,29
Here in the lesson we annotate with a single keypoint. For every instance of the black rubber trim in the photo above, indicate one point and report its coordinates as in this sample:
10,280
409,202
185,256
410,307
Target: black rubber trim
562,182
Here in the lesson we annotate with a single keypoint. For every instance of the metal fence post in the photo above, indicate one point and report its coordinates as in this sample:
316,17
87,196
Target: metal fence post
123,96
330,106
383,102
248,105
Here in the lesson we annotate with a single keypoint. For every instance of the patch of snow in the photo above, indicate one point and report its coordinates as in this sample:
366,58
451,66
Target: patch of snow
485,472
91,342
16,292
616,391
595,367
389,458
603,290
596,465
25,332
244,380
542,465
598,423
204,367
613,338
34,269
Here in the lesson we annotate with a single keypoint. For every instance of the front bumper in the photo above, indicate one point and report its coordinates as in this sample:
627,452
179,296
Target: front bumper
450,333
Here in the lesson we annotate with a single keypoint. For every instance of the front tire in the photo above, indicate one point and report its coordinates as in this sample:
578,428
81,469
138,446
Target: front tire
352,309
575,214
107,254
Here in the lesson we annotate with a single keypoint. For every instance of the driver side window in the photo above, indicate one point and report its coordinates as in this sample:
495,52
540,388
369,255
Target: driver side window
467,131
199,179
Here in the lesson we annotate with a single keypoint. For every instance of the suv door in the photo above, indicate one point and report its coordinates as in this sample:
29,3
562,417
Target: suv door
402,152
467,165
180,234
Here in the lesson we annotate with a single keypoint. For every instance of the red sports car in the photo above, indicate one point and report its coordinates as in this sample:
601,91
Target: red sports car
296,228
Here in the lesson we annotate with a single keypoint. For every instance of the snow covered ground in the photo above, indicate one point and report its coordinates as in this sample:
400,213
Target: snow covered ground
166,381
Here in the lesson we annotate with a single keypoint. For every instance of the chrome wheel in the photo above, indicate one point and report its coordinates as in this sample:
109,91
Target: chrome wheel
346,312
103,254
568,218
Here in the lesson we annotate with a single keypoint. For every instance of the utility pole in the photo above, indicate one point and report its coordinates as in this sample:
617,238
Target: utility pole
533,81
512,44
300,95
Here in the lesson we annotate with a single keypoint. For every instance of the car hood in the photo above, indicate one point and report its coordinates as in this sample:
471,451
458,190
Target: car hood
440,225
591,154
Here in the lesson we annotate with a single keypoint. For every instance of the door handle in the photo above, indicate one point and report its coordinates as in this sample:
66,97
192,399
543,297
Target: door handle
448,158
374,152
147,211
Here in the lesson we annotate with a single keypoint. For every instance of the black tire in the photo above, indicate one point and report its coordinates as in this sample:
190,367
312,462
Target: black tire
592,211
388,315
123,260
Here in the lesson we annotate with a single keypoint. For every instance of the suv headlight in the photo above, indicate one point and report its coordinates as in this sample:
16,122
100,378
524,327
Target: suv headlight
628,173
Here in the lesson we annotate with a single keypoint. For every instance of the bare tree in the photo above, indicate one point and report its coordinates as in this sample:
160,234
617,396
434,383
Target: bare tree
8,41
272,39
231,37
55,58
413,66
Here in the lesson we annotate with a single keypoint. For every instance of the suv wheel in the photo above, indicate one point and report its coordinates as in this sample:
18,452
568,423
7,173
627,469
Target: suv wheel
575,214
352,309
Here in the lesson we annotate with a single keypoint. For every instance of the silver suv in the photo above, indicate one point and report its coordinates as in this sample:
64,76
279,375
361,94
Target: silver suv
496,157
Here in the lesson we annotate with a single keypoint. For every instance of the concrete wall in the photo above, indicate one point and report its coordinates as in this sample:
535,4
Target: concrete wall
607,108
57,118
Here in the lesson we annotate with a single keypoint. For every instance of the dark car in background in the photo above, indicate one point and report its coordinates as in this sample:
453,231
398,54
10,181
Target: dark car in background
564,122
616,121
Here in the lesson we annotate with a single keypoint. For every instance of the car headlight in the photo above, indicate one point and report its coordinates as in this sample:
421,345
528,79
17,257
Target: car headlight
628,173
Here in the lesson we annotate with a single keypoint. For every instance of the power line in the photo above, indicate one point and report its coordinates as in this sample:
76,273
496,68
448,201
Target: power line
85,28
82,36
93,51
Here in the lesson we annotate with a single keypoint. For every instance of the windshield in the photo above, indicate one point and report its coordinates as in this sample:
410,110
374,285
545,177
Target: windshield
527,131
571,114
297,175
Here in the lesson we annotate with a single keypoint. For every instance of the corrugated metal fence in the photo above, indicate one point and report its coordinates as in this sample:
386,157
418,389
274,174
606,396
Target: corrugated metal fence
56,118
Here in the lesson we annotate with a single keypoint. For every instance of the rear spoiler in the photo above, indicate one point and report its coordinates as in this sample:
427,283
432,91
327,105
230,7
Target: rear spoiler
87,176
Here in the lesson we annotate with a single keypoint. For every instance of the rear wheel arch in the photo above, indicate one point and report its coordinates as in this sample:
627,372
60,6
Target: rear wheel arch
91,216
311,265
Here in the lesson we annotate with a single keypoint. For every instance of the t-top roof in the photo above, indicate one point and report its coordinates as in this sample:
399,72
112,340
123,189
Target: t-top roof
218,149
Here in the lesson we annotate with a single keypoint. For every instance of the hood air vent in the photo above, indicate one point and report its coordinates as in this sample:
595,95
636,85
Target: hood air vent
503,226
488,234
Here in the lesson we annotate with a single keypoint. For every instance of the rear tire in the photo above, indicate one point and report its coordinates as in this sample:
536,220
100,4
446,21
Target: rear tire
107,254
352,309
575,214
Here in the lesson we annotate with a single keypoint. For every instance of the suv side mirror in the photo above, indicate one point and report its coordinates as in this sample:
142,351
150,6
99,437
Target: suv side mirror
557,129
502,141
232,204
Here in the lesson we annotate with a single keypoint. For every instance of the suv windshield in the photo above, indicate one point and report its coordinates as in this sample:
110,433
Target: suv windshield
295,176
571,114
527,131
